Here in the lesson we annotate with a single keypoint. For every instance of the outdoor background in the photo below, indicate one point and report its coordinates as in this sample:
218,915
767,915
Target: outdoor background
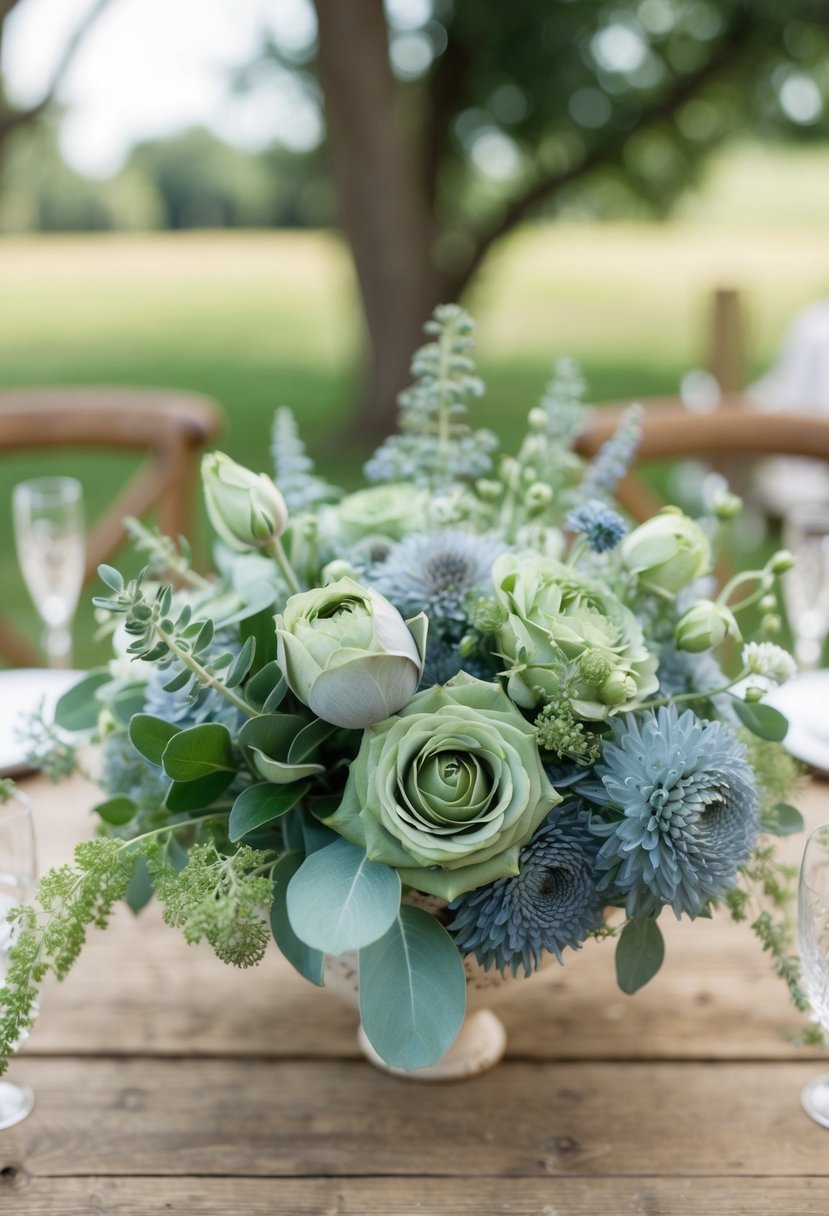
199,255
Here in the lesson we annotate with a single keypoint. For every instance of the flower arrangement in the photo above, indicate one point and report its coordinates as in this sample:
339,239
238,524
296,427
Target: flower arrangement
471,681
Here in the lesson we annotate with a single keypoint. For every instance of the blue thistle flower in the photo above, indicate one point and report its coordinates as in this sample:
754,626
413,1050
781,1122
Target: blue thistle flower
550,905
684,802
435,574
602,526
680,672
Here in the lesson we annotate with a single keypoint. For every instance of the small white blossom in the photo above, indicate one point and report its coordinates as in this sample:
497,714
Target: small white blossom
767,659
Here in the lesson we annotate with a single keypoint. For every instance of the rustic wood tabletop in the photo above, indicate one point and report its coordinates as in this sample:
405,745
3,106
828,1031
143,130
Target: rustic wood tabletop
166,1081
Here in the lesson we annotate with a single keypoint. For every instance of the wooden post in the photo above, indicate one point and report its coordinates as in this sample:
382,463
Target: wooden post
728,341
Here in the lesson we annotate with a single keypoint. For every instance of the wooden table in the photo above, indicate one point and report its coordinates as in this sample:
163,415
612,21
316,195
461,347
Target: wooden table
168,1082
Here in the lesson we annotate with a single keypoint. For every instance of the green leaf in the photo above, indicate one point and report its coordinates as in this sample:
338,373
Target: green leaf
180,680
140,891
260,804
782,820
198,752
116,811
309,739
150,735
639,953
308,962
263,685
762,720
112,578
78,709
260,627
267,741
241,665
412,991
199,794
127,702
339,900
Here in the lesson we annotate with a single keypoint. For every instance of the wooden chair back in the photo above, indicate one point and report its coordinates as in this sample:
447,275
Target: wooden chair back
670,431
169,426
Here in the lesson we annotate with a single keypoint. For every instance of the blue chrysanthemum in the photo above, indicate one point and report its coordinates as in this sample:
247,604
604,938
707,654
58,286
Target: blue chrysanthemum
435,574
551,904
684,799
601,525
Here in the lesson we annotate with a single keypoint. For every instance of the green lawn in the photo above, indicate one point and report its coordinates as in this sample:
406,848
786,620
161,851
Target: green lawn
258,320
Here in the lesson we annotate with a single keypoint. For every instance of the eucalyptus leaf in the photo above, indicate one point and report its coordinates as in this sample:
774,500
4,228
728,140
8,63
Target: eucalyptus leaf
783,820
339,900
639,953
78,708
199,794
267,741
150,735
261,804
412,991
140,889
762,720
127,702
261,686
309,739
199,751
116,811
308,962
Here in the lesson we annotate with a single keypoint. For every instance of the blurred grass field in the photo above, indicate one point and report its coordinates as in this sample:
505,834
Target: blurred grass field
258,320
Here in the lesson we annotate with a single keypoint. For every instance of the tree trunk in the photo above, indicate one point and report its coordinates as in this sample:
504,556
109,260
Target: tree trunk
384,211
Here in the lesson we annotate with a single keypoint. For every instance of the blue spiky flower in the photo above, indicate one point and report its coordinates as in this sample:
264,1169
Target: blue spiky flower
435,574
551,904
682,800
601,525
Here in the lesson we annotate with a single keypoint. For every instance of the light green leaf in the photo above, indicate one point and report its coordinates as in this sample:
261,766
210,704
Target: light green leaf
762,720
267,741
782,820
78,709
339,900
116,811
639,953
127,702
149,736
412,991
198,752
309,963
260,804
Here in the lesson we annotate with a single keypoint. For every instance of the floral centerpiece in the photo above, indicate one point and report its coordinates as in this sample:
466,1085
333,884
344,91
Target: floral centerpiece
466,713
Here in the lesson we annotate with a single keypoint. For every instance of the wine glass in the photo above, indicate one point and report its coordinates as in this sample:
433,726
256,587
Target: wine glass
48,527
806,585
17,885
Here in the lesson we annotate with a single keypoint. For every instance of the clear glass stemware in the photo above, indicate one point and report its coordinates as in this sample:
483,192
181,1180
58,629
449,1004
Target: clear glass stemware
806,586
17,884
49,533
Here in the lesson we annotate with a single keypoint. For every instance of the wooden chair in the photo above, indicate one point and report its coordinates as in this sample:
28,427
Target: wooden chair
670,431
169,426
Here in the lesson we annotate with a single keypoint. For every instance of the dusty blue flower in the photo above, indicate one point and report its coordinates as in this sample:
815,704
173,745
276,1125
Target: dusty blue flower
602,526
124,771
551,904
435,574
683,801
681,672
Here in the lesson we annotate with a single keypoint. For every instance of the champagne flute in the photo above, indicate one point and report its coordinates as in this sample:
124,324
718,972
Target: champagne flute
48,526
806,585
17,886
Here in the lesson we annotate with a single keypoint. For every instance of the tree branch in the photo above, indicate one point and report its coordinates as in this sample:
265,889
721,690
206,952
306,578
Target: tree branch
14,118
608,150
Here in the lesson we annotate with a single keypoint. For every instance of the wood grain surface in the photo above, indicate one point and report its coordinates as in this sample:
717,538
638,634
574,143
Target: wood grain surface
168,1082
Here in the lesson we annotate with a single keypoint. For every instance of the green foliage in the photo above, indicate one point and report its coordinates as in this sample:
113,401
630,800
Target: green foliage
436,447
416,971
261,804
222,899
163,555
293,467
78,709
640,951
762,720
561,733
339,900
308,962
47,749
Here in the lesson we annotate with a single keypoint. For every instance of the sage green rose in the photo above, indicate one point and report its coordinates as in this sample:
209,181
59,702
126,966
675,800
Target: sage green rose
564,635
667,552
246,509
347,653
704,626
448,790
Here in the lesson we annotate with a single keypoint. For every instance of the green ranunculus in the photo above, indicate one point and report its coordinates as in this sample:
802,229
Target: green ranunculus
566,635
449,790
667,552
704,626
246,509
347,653
391,511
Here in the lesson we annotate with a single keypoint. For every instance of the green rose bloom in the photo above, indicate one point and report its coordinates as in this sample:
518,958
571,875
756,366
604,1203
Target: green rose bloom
566,635
391,511
667,553
347,653
449,790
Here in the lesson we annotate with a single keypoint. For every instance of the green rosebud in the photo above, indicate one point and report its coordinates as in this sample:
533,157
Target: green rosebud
348,655
449,790
618,689
754,694
537,497
704,626
667,553
781,561
726,506
246,509
771,624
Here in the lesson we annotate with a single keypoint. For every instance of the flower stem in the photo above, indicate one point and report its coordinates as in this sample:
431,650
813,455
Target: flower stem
204,676
693,696
276,550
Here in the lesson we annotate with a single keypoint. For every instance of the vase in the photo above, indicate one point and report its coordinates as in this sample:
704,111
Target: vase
481,1040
